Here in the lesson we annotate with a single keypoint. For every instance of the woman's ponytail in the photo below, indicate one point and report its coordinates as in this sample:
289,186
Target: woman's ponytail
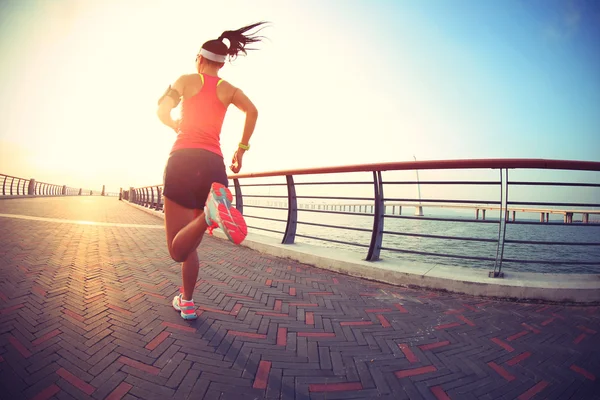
237,39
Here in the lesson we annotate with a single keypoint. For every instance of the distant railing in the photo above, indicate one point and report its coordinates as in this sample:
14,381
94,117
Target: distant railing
288,201
13,186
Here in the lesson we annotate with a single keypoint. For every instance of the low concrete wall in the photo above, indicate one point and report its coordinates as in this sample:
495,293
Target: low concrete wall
563,288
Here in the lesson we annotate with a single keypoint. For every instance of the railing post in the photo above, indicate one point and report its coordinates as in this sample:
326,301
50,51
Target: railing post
239,200
11,185
151,205
377,235
64,190
158,198
103,190
80,191
292,219
503,219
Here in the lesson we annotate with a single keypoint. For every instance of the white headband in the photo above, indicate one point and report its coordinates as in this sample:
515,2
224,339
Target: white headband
209,55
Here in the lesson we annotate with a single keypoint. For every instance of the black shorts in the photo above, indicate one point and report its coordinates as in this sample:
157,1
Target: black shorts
189,175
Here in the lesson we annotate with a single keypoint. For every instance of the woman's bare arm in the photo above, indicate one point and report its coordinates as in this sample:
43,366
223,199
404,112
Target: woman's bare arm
168,103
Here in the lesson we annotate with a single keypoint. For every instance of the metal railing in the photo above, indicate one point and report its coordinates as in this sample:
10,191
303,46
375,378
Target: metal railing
13,186
290,201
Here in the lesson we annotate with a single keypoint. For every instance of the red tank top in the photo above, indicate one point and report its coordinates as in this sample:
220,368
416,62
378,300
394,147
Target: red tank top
202,117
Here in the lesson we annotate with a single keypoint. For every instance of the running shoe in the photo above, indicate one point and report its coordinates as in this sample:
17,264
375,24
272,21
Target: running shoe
186,308
220,213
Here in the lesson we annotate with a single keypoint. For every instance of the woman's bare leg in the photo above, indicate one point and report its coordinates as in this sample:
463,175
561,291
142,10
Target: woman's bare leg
184,235
184,232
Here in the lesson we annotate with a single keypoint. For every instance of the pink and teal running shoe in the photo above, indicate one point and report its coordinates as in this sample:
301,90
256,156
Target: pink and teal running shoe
220,213
186,308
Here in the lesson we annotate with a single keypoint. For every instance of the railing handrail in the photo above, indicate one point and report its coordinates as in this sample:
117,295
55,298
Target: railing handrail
493,163
497,163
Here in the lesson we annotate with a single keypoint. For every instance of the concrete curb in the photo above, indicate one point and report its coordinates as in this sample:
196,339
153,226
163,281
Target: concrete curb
561,288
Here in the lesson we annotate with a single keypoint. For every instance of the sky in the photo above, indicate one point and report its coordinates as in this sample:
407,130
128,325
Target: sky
337,82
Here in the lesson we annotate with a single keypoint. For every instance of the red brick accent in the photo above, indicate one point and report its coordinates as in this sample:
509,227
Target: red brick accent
415,371
3,297
180,327
533,390
517,335
262,375
355,323
73,315
505,346
136,297
435,345
310,318
138,365
583,372
531,328
370,294
11,308
586,330
47,393
19,346
236,309
546,322
316,334
158,340
542,309
247,334
465,320
334,387
281,336
269,270
501,371
519,358
408,353
439,393
452,325
579,338
278,304
292,291
335,281
268,282
401,308
384,322
38,290
119,309
47,336
75,381
470,307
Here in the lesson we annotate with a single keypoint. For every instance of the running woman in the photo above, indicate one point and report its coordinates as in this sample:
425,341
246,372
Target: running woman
195,178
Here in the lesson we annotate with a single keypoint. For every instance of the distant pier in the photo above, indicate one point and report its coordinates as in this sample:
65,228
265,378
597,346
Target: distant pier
480,210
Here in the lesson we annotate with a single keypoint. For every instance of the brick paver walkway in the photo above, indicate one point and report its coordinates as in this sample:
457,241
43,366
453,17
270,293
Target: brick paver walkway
85,313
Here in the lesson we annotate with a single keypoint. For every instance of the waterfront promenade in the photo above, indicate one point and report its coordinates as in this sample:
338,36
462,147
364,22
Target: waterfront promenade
85,291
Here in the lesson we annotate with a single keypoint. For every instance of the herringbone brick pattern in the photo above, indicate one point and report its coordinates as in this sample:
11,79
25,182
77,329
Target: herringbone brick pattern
85,313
